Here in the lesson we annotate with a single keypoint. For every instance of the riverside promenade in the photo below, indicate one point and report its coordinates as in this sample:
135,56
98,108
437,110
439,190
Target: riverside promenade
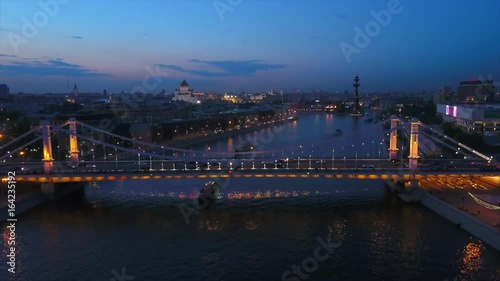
472,205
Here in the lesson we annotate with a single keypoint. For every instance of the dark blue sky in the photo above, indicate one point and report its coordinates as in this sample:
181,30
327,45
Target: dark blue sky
252,45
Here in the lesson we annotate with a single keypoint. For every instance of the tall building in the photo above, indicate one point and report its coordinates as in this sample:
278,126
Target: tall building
482,91
75,92
4,91
356,111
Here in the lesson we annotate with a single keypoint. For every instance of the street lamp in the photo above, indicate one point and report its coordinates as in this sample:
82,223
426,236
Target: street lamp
116,159
298,163
333,158
309,161
373,148
380,151
356,159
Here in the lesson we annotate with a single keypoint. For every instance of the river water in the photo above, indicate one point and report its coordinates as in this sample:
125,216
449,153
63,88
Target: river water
259,229
312,135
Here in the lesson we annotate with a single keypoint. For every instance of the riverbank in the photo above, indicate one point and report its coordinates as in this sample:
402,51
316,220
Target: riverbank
206,139
461,210
23,203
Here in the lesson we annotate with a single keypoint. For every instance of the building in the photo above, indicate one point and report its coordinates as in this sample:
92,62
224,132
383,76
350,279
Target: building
476,91
75,93
478,118
186,94
4,91
444,95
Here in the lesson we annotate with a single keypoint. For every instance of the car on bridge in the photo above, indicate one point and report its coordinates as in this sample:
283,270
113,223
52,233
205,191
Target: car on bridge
366,166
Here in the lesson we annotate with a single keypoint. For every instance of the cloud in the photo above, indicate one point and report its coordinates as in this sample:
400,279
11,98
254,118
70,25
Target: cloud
226,68
76,37
9,56
51,67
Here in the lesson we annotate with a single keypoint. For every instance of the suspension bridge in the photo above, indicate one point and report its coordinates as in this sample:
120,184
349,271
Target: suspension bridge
139,160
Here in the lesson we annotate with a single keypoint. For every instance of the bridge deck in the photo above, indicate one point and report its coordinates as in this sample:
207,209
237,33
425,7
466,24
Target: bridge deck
149,175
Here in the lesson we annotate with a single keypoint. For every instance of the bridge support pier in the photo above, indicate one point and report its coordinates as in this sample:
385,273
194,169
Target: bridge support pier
73,142
413,162
56,191
393,138
48,161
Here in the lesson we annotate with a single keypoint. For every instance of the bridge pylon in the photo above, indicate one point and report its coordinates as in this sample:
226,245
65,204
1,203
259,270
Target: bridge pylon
413,162
48,160
73,141
393,138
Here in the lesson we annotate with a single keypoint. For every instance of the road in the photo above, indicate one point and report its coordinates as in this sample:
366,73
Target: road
245,164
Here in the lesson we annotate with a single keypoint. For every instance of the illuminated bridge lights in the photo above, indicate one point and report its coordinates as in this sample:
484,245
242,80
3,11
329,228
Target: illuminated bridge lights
352,175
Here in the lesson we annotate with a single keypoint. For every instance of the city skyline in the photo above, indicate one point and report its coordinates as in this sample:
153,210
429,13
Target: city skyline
251,46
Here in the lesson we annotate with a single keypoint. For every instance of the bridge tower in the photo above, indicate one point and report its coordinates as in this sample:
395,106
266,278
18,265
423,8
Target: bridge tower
48,161
413,164
73,142
393,138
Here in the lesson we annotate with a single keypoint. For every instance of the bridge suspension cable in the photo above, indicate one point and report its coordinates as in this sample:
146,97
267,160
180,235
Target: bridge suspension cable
446,144
166,147
21,147
20,137
457,143
116,146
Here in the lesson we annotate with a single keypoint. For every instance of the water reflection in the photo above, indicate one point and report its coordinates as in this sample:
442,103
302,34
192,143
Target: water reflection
313,134
209,225
471,259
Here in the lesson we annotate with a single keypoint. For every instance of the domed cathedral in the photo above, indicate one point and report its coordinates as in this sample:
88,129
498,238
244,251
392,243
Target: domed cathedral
185,93
184,88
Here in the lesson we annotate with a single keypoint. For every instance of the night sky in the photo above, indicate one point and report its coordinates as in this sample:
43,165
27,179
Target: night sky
247,45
